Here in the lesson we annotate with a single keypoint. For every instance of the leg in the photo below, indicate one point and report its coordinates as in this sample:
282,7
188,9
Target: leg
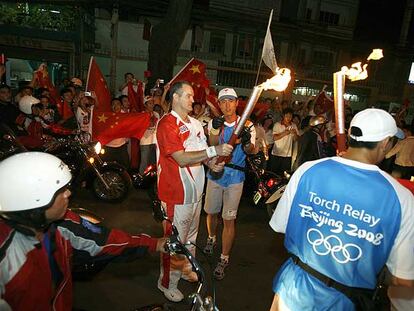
212,206
145,153
231,200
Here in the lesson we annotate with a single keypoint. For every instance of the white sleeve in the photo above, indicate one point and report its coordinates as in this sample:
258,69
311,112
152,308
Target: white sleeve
400,262
277,128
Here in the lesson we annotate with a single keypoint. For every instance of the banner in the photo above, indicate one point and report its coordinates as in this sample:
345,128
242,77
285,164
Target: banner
268,53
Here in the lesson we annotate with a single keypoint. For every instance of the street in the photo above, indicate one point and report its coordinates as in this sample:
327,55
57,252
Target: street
256,256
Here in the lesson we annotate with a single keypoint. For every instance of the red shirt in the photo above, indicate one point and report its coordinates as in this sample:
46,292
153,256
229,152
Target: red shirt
179,185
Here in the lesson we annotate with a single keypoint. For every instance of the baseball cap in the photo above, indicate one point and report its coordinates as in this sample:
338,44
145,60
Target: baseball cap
375,125
227,93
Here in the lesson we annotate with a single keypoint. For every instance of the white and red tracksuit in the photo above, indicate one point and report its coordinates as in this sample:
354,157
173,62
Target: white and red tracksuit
28,281
180,189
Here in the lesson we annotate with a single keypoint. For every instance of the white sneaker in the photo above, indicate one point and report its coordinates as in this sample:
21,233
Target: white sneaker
172,294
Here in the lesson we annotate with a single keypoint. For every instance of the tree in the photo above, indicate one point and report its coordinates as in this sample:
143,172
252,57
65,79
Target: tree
166,39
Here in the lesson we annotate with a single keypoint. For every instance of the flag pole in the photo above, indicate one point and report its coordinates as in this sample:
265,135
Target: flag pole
89,72
261,58
181,70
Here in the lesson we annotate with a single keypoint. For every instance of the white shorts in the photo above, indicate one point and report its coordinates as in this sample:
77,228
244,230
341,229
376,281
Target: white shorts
228,197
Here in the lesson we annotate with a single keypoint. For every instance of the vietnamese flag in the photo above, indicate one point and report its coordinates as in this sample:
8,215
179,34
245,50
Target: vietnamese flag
195,73
108,126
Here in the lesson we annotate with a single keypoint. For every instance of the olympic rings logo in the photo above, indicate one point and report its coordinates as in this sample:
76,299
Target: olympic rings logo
333,245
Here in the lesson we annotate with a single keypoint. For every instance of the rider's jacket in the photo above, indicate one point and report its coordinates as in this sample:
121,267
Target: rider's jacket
36,275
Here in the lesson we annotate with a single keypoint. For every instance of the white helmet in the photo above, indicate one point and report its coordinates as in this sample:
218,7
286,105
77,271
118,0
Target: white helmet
26,103
30,180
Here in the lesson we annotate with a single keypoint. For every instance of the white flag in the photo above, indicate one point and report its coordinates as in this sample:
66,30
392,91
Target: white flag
268,54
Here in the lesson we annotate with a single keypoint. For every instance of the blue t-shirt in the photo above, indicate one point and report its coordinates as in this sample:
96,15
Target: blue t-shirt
231,176
343,221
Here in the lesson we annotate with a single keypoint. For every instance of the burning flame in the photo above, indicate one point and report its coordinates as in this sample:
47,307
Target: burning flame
356,72
279,82
376,54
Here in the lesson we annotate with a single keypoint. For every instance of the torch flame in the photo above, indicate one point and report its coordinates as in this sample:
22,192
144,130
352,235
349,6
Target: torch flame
376,54
356,72
279,82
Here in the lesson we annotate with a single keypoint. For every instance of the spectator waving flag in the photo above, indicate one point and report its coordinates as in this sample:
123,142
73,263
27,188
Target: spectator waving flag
195,73
108,125
268,53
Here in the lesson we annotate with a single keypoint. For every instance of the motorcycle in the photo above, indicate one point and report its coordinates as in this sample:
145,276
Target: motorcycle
269,186
175,246
109,181
148,181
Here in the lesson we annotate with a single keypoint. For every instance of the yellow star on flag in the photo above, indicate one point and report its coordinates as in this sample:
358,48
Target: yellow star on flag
102,118
194,69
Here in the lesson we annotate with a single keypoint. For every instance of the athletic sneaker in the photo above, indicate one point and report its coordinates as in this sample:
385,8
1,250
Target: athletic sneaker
172,294
219,270
209,248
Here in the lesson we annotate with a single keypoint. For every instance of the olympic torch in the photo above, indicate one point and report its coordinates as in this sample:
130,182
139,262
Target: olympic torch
278,83
355,73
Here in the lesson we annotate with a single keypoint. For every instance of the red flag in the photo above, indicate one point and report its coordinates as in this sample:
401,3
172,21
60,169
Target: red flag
325,102
108,126
195,73
136,99
96,82
43,80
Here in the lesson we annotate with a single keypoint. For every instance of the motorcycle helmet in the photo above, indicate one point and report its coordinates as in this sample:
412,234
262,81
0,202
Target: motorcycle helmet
317,120
26,103
29,183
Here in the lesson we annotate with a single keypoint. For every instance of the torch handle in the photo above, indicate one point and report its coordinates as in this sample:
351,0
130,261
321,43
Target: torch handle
232,142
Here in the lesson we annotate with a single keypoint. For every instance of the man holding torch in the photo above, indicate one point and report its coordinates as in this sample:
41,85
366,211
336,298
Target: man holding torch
347,225
225,190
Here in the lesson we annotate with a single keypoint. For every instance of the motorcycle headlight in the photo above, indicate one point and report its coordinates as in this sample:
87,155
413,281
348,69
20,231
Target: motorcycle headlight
97,147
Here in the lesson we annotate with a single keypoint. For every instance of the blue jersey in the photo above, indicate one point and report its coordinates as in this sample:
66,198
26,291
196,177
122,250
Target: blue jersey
342,221
232,176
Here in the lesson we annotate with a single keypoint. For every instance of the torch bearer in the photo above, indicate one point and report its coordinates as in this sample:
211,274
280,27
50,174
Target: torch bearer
356,72
278,83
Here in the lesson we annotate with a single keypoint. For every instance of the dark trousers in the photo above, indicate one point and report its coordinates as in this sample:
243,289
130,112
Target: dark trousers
117,154
280,164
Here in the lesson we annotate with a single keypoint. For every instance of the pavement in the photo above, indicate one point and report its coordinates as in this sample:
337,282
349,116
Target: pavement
256,256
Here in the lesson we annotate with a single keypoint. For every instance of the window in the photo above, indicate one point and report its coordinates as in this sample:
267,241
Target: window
217,42
245,46
308,16
322,58
328,18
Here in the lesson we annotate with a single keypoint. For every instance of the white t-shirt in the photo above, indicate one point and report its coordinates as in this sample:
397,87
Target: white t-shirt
149,136
283,147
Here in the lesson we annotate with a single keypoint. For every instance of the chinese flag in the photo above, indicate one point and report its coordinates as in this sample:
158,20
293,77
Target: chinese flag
136,99
195,73
325,102
96,82
108,126
44,81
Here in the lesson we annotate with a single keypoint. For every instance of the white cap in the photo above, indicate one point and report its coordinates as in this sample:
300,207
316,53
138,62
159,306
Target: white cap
375,125
227,93
26,103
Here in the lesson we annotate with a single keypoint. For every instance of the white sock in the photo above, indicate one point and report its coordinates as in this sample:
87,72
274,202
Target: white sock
225,257
212,238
